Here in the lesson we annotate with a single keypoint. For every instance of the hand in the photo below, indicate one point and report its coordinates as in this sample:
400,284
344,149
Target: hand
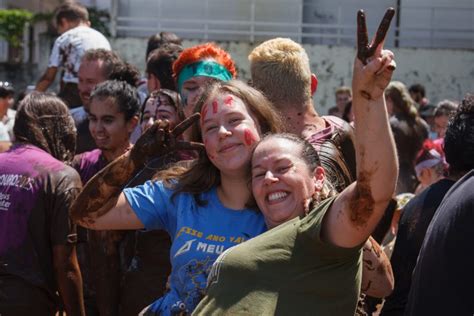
159,140
373,66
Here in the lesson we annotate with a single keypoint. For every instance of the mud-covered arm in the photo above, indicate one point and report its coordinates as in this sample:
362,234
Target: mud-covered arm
377,274
101,205
358,209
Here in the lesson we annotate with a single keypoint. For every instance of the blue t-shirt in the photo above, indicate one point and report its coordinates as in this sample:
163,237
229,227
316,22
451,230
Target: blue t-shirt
199,235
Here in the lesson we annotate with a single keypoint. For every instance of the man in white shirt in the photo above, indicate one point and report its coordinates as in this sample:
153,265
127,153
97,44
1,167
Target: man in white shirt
72,21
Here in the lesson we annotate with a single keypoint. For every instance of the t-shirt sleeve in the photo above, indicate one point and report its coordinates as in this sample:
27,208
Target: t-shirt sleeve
310,229
63,231
152,204
54,58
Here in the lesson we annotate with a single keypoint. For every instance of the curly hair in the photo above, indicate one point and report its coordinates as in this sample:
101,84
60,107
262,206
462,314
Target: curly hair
43,120
201,52
459,139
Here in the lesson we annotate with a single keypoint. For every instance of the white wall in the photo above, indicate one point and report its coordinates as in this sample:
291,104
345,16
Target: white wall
446,74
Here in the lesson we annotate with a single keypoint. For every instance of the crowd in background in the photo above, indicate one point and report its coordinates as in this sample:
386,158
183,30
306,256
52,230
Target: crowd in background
117,198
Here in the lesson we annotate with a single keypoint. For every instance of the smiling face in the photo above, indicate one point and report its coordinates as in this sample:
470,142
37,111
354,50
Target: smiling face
229,133
282,183
90,75
108,126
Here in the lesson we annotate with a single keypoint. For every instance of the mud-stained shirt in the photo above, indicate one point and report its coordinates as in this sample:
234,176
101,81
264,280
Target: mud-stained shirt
71,45
199,235
36,191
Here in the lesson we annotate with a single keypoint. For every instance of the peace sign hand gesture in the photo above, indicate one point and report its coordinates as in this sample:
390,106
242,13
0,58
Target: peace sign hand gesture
373,66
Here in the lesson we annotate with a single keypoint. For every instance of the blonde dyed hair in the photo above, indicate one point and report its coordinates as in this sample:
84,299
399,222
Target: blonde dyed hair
280,69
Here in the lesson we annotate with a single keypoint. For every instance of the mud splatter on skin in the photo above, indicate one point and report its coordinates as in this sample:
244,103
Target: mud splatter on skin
361,205
365,95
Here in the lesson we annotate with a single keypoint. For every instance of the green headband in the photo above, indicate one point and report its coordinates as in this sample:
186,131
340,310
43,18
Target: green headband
206,68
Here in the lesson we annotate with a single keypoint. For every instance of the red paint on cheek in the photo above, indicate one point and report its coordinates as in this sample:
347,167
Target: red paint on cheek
249,137
214,107
229,101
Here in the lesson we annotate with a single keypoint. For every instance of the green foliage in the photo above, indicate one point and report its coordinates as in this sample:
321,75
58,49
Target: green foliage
12,23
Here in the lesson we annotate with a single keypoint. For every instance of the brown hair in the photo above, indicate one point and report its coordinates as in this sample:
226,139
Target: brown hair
402,102
203,175
312,160
109,58
43,120
71,11
160,64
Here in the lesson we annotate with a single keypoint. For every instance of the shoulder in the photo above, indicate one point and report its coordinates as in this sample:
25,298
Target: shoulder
87,159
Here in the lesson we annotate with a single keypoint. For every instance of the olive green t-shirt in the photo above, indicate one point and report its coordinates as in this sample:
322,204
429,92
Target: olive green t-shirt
288,270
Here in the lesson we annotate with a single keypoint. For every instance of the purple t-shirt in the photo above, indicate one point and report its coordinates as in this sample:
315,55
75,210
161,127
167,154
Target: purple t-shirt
36,191
88,164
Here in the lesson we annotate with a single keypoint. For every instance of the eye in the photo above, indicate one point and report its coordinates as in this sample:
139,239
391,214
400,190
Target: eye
210,128
92,118
283,169
192,88
235,120
108,120
258,174
163,116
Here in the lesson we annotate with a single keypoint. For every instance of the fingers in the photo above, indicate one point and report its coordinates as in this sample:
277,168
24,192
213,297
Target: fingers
382,30
184,125
362,37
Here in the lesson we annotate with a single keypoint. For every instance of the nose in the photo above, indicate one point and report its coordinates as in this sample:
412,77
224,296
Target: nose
269,178
149,122
223,132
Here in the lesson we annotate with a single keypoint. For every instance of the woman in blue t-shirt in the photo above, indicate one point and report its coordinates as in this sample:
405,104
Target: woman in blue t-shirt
204,206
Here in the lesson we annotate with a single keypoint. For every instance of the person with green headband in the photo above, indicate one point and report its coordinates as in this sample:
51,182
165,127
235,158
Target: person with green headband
198,66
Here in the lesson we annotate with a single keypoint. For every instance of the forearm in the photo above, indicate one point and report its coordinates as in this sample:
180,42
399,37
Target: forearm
43,84
377,274
376,156
69,281
101,191
46,79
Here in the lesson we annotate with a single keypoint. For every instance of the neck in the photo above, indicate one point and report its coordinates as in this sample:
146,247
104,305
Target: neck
299,118
112,154
234,192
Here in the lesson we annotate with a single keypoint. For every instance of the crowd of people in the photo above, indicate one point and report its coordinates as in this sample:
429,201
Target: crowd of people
189,191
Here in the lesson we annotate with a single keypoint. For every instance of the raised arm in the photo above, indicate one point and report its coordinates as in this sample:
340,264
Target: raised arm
101,205
357,210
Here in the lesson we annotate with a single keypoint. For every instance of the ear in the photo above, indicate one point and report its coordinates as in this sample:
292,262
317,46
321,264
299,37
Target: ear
132,124
314,84
318,178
